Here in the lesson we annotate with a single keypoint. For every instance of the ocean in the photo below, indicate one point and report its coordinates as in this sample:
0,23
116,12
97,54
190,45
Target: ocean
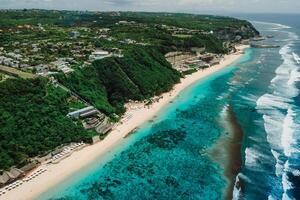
253,105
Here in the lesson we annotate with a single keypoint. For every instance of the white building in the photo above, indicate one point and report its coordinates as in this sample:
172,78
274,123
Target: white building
85,111
99,54
62,65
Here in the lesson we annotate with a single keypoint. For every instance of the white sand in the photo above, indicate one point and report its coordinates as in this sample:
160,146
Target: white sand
134,118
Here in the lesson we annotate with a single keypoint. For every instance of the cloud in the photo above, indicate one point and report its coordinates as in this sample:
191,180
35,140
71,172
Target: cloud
119,2
280,6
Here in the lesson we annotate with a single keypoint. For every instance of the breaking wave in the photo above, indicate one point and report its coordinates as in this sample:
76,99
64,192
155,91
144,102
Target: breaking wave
296,58
237,190
273,26
277,109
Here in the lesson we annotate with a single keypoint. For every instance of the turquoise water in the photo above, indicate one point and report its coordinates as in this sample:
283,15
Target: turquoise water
169,157
266,98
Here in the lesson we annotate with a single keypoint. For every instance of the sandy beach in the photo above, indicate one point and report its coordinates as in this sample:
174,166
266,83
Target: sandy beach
136,115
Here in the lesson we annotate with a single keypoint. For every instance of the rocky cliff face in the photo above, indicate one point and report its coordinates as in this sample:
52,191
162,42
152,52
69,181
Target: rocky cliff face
236,34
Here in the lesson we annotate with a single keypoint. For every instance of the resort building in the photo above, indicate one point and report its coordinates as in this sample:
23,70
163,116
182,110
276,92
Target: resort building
83,112
10,176
89,113
99,54
62,65
42,69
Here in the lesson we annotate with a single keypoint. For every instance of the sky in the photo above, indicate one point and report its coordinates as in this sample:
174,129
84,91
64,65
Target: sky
194,6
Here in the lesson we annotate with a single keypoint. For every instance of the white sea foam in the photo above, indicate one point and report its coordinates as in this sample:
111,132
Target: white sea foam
244,178
274,26
281,26
286,184
278,165
272,105
220,97
231,89
296,58
293,36
294,77
286,75
237,191
251,157
273,127
233,82
271,101
296,172
224,110
270,197
250,98
287,139
278,114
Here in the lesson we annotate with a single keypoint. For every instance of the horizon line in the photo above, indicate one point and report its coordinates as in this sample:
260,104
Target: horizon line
213,12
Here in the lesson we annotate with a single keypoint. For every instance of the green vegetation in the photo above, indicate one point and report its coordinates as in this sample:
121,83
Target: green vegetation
92,19
190,71
15,72
74,104
86,83
33,112
150,28
109,83
190,21
166,42
32,121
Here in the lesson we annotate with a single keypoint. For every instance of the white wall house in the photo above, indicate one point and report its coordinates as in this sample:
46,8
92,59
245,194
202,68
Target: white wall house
99,54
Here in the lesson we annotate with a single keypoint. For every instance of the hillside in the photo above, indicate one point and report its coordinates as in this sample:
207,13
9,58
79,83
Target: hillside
109,83
32,121
62,45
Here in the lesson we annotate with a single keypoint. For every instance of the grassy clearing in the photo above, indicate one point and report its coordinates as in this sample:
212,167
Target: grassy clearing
182,36
16,72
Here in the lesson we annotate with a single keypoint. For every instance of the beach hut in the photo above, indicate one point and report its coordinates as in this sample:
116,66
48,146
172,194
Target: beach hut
4,178
29,167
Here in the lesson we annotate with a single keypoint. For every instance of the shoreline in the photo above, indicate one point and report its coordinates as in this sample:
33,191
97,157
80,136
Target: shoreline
136,115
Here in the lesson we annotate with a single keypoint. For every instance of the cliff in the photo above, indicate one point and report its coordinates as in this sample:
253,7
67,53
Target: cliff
234,34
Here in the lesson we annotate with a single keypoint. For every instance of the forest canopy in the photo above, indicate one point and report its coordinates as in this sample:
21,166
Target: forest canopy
33,121
142,73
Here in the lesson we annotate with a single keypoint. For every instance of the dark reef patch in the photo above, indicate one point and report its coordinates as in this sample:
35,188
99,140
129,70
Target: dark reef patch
167,139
